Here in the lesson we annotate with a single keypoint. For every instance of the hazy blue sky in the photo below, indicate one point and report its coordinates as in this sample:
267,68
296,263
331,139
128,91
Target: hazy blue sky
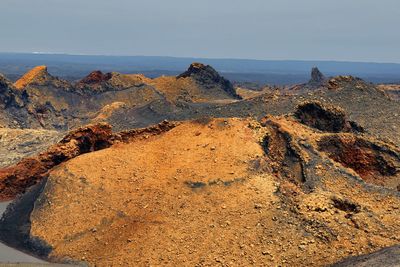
358,30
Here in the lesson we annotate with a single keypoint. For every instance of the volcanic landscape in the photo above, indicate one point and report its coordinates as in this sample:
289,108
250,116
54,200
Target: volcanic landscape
192,170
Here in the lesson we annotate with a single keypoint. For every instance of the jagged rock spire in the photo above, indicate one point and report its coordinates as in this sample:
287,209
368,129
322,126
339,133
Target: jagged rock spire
316,76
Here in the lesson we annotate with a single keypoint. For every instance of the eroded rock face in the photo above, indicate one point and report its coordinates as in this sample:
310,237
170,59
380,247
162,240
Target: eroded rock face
283,154
39,76
375,162
9,96
208,77
325,118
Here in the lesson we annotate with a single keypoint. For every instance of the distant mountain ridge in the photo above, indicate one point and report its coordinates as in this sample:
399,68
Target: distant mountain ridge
264,71
39,99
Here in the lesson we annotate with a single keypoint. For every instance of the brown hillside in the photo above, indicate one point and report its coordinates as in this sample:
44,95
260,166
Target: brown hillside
230,192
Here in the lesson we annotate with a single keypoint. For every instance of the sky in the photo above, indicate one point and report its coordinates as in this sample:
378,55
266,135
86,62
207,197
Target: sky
343,30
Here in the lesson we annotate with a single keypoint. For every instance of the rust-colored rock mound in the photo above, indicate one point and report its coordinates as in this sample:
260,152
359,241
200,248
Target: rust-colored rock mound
325,118
36,74
207,192
376,163
96,77
99,82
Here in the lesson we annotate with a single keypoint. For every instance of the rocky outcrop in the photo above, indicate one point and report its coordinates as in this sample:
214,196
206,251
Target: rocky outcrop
361,155
96,77
325,118
98,82
340,82
317,81
317,78
283,154
39,76
9,96
375,162
209,78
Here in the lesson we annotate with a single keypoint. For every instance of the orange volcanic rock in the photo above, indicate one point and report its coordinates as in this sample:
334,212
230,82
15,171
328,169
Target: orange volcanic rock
229,192
36,73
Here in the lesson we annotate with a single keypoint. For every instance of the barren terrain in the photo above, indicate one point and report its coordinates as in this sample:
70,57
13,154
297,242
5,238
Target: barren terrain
306,175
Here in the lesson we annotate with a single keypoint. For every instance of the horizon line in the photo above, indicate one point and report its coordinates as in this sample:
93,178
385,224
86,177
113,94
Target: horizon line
194,57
